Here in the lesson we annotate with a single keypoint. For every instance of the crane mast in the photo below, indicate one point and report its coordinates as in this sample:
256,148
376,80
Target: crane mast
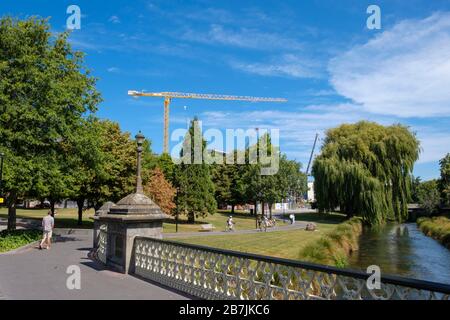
311,156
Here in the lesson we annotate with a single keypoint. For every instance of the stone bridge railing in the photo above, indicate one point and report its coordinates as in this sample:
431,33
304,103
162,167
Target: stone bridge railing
222,274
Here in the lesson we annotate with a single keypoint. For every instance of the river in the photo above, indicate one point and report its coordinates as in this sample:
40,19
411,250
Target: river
403,250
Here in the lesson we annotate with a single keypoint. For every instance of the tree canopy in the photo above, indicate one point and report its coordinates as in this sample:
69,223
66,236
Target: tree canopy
45,91
161,191
444,181
365,169
428,196
195,189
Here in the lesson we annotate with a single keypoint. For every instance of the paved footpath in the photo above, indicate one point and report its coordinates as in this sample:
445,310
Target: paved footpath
41,274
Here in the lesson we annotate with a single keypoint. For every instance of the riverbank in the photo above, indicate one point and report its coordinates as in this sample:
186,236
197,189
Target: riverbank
437,228
336,246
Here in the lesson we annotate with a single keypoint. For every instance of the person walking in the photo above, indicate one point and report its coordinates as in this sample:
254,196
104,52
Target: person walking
230,224
48,223
265,223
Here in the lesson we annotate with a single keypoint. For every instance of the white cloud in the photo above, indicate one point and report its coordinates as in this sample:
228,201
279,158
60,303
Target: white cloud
404,71
297,129
113,70
289,65
243,38
434,145
114,19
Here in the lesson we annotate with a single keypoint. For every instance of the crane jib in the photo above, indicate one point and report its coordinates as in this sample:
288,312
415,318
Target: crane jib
168,96
183,95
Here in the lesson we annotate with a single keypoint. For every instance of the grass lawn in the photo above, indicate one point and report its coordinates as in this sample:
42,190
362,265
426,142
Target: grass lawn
65,218
283,244
10,240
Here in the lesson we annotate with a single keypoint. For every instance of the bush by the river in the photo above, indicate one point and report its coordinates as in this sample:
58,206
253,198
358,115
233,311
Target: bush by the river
335,246
437,228
10,240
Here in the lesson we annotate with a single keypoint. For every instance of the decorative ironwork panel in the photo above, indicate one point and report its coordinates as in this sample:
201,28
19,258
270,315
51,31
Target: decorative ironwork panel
102,243
221,274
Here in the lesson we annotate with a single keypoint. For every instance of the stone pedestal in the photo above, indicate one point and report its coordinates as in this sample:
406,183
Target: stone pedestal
135,215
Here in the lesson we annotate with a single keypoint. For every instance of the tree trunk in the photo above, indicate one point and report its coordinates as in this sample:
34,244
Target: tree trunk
12,214
191,217
80,204
256,208
263,209
270,210
52,207
232,209
97,206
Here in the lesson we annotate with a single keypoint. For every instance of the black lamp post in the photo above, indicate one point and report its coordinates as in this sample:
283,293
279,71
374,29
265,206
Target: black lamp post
139,140
2,155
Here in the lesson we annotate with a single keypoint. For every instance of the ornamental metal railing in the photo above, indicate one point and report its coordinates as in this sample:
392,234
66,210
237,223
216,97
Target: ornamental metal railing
223,274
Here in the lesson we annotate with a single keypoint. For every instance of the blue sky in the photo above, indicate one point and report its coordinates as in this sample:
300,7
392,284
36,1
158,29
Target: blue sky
317,54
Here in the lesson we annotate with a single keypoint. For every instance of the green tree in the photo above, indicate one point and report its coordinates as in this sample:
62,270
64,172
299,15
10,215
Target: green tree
365,169
261,187
87,163
415,182
166,164
104,164
444,181
195,189
44,93
221,175
292,181
428,196
119,165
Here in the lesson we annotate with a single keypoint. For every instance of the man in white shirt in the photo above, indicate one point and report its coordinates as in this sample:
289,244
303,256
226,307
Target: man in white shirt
47,225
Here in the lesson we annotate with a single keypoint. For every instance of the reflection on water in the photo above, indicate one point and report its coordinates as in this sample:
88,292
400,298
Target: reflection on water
403,250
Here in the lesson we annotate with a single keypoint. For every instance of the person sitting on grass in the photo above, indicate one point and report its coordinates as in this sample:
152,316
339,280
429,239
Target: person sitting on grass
48,222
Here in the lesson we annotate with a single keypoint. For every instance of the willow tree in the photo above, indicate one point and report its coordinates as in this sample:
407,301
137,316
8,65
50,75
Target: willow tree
366,169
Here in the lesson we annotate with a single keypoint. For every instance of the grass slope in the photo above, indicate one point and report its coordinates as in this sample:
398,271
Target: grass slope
334,247
437,227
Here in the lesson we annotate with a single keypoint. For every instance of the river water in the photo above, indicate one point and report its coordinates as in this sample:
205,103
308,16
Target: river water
403,250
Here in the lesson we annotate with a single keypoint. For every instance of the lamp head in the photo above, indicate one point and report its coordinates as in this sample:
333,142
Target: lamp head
140,138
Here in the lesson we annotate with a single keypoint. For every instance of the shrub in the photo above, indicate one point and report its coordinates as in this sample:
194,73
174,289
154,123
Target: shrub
437,228
334,247
10,240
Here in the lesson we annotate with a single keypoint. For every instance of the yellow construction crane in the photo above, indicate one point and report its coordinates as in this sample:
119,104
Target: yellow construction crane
168,96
